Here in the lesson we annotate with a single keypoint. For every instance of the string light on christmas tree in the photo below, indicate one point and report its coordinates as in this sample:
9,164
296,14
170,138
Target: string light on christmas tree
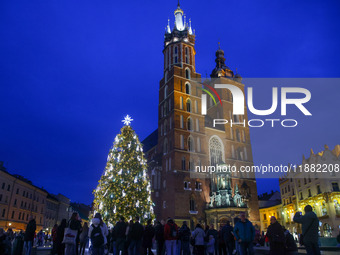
125,176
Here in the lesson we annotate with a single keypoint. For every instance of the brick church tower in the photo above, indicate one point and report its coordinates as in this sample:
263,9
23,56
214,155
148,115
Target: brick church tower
185,139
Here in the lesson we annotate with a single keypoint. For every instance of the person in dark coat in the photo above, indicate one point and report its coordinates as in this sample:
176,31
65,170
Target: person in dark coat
29,235
5,243
54,239
136,237
18,244
276,237
221,243
310,229
159,236
120,235
149,233
290,244
228,238
83,238
184,235
213,232
74,224
60,247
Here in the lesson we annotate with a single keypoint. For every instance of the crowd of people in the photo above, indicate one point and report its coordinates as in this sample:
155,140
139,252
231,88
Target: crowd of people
132,238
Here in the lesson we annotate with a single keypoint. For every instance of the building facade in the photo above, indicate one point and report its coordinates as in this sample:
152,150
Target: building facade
322,192
186,138
20,199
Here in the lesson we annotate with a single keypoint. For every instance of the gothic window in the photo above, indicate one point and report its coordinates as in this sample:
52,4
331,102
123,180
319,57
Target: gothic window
191,144
244,136
216,151
181,121
166,77
187,55
181,103
245,153
165,126
183,163
198,144
187,73
192,205
197,125
188,105
166,91
165,108
190,124
188,88
238,137
176,55
181,141
165,146
186,185
232,151
191,165
196,107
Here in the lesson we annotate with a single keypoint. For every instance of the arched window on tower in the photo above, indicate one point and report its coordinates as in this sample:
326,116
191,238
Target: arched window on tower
216,151
188,105
165,146
165,109
191,144
187,73
187,55
175,55
190,124
238,136
166,91
181,103
188,88
198,144
165,126
166,77
183,163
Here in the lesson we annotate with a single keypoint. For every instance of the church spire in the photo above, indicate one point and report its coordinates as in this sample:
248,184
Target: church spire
179,18
168,30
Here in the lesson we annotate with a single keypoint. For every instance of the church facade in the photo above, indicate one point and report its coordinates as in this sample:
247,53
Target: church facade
187,140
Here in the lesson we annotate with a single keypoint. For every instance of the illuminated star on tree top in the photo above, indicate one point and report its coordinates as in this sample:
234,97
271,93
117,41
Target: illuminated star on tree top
127,120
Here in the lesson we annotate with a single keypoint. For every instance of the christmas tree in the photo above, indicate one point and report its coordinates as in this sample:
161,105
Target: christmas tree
124,188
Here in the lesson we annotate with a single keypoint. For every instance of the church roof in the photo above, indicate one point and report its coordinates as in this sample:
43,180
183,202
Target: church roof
150,141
